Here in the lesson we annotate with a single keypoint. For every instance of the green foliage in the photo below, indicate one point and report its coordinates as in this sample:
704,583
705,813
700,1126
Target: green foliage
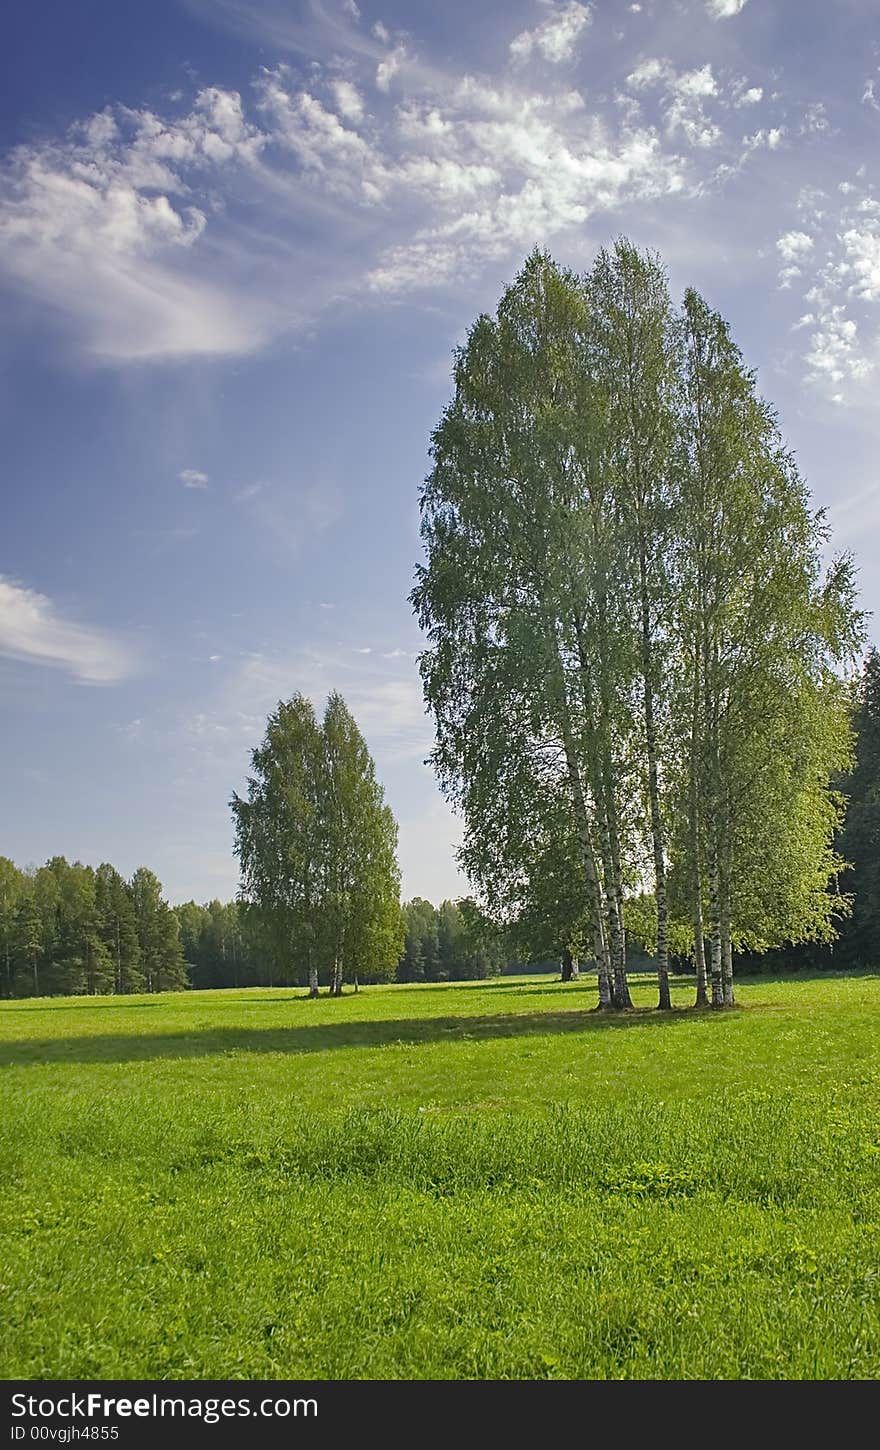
481,1182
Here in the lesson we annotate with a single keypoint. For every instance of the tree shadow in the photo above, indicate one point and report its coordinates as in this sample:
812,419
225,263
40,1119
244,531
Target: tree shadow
295,1040
77,1004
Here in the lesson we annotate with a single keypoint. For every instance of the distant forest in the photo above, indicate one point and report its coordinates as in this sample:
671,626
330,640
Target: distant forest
68,929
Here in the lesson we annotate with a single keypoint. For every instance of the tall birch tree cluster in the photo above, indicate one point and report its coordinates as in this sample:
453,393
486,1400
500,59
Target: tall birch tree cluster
634,649
317,846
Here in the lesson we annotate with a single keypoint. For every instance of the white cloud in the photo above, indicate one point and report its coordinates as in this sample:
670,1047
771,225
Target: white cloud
686,112
31,629
389,66
749,97
861,247
555,38
101,226
349,100
193,478
219,228
835,354
724,9
794,246
767,137
842,289
868,96
648,73
696,83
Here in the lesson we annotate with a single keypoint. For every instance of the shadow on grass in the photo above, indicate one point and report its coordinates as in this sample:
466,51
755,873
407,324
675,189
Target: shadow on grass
123,1003
294,1040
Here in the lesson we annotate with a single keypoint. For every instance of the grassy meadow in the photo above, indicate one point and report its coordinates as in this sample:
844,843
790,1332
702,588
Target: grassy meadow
477,1180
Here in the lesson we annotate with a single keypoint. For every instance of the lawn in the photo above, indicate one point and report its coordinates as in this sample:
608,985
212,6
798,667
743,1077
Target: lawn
481,1180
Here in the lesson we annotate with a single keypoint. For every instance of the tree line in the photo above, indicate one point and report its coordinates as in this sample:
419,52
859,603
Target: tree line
66,928
452,942
635,654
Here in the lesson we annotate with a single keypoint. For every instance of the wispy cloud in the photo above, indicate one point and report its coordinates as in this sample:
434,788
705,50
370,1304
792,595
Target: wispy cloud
362,171
103,226
139,229
385,700
193,478
31,629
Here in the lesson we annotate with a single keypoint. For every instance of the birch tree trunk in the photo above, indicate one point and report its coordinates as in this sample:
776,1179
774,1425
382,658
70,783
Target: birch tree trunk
594,887
657,833
694,834
609,827
715,927
313,979
584,834
702,997
726,944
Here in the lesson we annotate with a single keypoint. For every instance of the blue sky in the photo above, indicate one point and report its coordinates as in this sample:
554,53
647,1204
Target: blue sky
238,242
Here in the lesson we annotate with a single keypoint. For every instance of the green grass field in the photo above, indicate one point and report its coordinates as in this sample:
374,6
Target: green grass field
476,1180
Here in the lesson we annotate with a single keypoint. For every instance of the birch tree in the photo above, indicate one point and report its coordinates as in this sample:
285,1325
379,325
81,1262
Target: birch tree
762,632
633,356
510,672
317,847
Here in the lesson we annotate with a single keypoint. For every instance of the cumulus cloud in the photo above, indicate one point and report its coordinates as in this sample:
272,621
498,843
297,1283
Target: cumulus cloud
193,478
861,246
793,245
793,248
480,169
32,629
555,39
835,353
837,266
